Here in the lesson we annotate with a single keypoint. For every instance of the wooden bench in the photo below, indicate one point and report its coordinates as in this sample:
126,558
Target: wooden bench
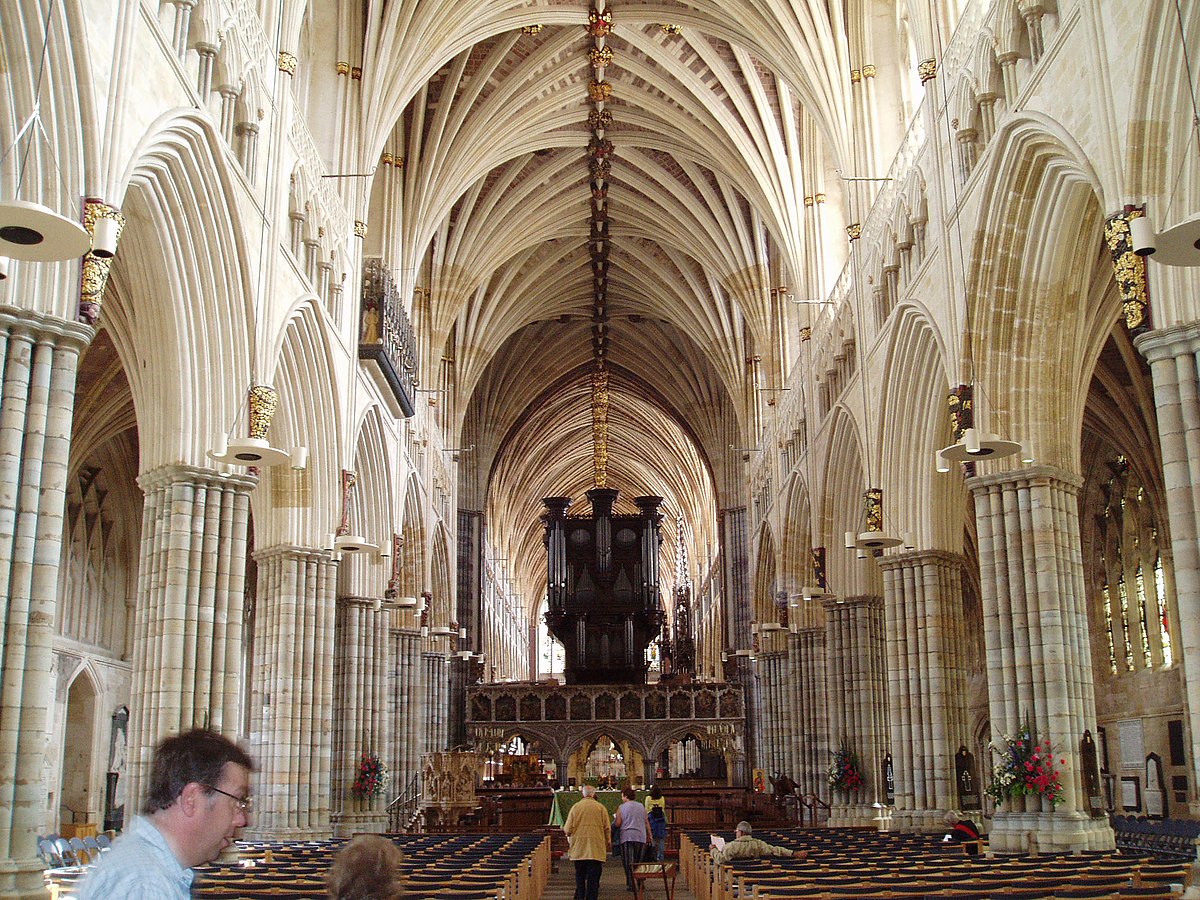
643,872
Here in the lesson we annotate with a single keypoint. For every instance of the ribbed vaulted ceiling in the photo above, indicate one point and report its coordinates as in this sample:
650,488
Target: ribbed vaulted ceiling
720,125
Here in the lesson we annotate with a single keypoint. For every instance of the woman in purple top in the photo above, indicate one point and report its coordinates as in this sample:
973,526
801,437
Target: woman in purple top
633,823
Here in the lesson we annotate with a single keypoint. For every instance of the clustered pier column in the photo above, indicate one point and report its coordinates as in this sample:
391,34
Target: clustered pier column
1174,357
408,707
361,688
187,631
811,736
857,692
291,715
927,686
1039,660
39,359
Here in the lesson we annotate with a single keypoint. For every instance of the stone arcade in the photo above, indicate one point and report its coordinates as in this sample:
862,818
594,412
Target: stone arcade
760,259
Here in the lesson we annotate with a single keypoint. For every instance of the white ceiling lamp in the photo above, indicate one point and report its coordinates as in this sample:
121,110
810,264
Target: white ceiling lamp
874,539
35,233
1178,245
354,543
30,231
977,445
255,450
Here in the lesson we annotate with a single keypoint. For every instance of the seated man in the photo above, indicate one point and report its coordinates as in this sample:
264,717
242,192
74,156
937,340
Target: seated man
962,831
746,847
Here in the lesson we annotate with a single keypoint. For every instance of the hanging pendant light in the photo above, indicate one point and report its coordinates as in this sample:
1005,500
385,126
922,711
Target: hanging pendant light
35,233
976,445
30,231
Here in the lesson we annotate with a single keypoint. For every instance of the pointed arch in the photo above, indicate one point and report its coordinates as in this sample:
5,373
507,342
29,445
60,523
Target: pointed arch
1031,334
916,423
302,507
366,574
178,307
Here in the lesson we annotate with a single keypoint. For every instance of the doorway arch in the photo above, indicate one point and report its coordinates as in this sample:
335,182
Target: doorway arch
79,799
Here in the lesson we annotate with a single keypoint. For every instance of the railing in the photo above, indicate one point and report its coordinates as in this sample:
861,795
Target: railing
405,809
385,334
813,810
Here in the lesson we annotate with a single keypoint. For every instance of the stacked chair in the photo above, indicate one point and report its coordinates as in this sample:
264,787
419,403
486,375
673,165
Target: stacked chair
462,867
1170,838
847,865
68,860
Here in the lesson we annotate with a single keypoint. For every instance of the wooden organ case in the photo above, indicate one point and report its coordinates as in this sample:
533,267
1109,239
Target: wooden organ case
603,587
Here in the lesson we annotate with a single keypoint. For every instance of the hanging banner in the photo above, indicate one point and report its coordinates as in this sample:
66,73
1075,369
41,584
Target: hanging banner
889,780
1088,761
964,779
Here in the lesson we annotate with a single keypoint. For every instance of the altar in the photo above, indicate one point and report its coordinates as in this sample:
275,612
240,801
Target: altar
564,800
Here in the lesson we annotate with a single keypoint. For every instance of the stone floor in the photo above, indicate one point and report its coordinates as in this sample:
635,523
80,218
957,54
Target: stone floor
612,884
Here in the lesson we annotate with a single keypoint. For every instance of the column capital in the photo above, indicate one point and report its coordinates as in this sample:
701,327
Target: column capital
177,472
1027,475
856,602
809,631
914,558
72,335
292,551
1168,343
353,600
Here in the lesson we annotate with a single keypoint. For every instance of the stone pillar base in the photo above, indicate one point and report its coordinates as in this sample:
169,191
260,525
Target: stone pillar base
926,820
349,824
287,834
1043,832
859,815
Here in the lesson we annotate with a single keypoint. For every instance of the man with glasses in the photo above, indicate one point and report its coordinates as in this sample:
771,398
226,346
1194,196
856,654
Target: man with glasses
197,799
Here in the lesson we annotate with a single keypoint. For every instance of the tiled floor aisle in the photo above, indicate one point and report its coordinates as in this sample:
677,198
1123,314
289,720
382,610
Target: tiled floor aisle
612,884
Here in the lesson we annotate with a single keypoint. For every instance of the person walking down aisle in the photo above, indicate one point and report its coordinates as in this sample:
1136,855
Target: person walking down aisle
633,824
198,797
590,841
656,809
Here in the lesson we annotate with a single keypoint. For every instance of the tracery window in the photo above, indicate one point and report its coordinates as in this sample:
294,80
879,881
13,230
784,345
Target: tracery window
1134,612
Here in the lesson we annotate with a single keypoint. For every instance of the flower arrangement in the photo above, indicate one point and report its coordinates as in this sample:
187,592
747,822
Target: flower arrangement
1025,768
846,772
371,777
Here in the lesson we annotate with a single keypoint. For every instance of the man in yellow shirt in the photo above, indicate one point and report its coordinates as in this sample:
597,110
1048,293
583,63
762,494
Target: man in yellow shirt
590,839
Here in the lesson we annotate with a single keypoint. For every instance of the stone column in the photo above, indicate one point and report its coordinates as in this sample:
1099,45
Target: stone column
360,721
1174,357
774,749
229,97
204,73
182,25
811,736
291,715
857,694
927,689
1039,660
437,696
187,625
409,702
40,357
